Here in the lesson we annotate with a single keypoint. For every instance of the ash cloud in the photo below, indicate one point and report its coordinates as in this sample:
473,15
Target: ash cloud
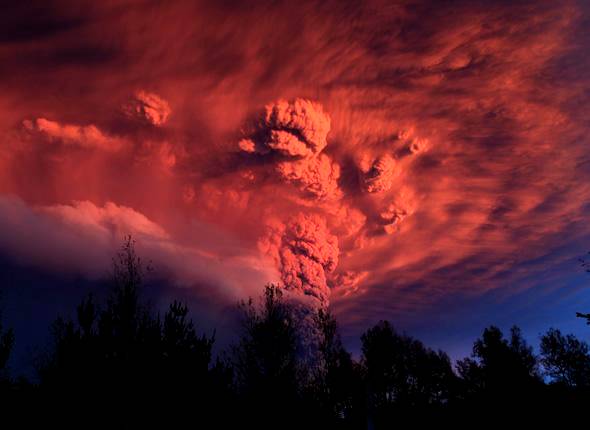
85,136
378,176
305,253
292,134
297,128
403,204
317,176
481,109
149,108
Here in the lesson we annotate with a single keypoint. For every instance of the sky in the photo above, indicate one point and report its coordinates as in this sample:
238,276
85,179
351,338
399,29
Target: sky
425,162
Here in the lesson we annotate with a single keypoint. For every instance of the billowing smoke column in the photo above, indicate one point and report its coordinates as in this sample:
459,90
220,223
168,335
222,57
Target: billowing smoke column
317,176
293,129
305,252
293,135
289,137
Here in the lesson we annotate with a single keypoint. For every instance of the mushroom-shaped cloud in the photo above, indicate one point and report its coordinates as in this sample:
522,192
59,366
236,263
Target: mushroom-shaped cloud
296,128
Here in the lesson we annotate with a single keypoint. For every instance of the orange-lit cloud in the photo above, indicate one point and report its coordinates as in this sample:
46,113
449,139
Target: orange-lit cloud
84,136
317,176
148,107
305,253
377,176
435,147
295,128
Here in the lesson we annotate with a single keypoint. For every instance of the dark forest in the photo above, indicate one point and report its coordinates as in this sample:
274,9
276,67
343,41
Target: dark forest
123,365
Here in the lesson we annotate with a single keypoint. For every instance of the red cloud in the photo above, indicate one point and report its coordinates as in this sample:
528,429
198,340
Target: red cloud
317,176
293,129
465,124
378,176
305,253
88,136
148,107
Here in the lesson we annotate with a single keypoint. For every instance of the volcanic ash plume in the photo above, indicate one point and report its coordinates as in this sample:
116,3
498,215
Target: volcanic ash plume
378,176
317,176
292,129
305,252
295,133
148,107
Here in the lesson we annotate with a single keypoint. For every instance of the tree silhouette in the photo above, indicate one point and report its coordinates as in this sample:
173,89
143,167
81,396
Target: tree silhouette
403,376
586,265
6,345
121,364
123,357
337,383
10,390
266,359
501,373
565,359
585,316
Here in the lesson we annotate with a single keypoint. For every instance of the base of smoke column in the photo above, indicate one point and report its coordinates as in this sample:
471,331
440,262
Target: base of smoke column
304,310
297,299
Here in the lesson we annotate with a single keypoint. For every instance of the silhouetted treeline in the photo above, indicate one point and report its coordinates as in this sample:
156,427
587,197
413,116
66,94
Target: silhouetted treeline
120,364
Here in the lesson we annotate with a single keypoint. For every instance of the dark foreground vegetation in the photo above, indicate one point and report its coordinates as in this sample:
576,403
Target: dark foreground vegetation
121,365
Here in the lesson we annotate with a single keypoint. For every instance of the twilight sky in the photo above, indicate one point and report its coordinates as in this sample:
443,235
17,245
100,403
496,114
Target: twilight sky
422,162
